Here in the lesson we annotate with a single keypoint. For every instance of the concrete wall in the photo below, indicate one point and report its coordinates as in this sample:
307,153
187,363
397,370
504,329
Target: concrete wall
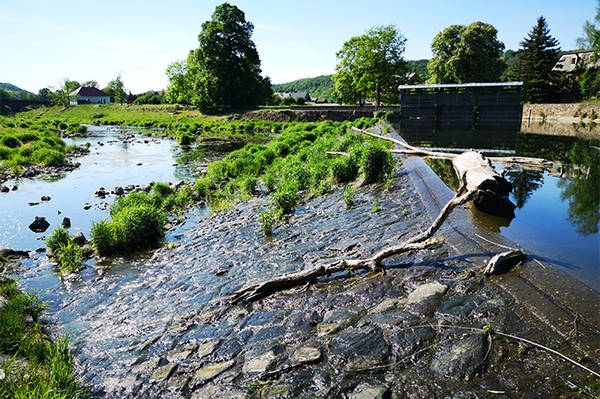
562,119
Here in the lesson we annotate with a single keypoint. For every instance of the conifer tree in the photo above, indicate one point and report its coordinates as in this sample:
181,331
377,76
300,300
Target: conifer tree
538,55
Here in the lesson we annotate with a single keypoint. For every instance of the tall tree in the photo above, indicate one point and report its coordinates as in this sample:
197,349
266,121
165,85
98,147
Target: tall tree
463,54
116,89
590,78
371,66
538,55
225,70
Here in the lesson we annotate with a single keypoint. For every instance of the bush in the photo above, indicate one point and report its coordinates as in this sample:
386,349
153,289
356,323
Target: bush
59,237
376,163
10,141
285,199
267,219
137,223
344,169
390,117
102,237
48,157
69,257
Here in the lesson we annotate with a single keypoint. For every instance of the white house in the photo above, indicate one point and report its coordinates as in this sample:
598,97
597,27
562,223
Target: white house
89,95
569,62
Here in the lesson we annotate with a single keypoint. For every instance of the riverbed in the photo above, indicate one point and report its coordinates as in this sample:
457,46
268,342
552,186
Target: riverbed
160,325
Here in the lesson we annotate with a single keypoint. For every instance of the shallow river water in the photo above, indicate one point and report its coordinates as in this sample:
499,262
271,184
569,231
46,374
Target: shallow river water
159,325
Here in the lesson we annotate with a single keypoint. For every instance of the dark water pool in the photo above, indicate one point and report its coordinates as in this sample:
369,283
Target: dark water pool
558,209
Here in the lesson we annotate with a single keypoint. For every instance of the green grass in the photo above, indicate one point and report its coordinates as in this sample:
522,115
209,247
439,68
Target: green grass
137,220
37,367
67,254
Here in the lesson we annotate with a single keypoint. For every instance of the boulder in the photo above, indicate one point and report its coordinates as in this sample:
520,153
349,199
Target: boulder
39,225
66,222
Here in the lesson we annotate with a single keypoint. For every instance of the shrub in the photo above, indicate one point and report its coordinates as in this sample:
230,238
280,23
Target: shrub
69,257
344,169
57,238
138,227
389,116
270,182
102,237
48,157
376,163
267,219
10,141
285,199
349,195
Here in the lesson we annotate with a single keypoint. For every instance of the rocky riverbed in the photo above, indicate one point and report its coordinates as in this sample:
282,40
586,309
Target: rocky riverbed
164,327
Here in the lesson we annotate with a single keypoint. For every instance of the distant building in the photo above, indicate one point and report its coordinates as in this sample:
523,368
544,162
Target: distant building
295,95
89,95
414,79
569,62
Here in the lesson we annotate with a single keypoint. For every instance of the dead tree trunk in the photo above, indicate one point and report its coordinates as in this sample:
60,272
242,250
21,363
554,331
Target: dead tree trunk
492,187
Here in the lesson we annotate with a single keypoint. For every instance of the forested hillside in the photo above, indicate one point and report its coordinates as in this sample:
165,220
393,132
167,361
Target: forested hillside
319,87
13,88
322,86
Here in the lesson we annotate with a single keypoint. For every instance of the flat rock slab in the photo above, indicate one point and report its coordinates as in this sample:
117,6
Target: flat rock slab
427,291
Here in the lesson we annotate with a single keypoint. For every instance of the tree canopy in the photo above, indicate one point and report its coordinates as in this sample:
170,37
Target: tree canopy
116,89
463,54
371,66
590,78
224,71
538,55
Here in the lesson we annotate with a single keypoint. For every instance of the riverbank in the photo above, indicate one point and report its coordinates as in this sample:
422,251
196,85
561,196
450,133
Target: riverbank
418,330
574,120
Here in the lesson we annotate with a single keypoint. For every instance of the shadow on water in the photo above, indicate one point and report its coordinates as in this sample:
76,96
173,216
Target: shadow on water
558,208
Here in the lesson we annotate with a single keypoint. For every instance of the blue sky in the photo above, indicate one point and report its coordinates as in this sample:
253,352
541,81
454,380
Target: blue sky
43,42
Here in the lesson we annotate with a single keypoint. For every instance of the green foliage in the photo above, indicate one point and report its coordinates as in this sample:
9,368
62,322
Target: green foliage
50,372
285,199
371,66
418,66
68,254
539,53
116,90
57,238
377,163
318,87
224,72
267,219
69,257
349,195
137,220
464,54
345,168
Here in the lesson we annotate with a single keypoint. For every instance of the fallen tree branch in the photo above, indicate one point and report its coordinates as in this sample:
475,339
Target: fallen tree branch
421,241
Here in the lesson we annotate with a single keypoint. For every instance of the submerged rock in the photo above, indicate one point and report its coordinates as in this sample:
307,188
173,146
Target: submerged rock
39,225
459,357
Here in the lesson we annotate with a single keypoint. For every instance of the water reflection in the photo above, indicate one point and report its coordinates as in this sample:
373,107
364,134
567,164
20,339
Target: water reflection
558,208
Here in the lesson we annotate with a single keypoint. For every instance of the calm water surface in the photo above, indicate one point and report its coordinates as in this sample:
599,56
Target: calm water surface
558,210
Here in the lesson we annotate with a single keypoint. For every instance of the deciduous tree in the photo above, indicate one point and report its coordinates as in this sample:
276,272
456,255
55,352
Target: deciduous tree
538,55
224,71
590,79
464,54
116,89
371,66
62,93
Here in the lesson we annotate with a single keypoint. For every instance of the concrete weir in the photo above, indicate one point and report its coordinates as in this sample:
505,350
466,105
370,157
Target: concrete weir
557,300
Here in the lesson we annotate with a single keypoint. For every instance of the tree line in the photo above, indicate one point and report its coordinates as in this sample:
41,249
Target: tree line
224,71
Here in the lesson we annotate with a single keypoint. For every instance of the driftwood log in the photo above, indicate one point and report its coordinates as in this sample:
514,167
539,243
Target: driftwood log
492,187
